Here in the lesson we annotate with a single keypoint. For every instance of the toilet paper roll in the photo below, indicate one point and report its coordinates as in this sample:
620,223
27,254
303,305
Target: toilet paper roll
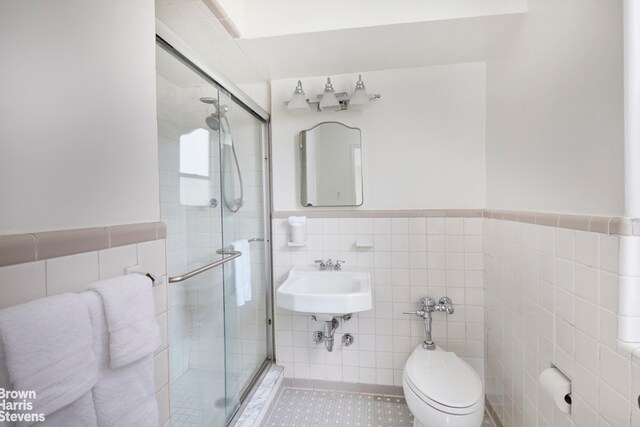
558,387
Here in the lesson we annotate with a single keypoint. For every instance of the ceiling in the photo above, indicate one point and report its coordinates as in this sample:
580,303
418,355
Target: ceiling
336,51
378,48
269,18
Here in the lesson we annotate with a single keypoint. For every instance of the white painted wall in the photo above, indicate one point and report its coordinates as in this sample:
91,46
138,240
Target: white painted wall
555,134
632,107
280,17
259,92
423,142
78,145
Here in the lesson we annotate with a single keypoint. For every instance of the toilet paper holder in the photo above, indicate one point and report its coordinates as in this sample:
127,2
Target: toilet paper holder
558,387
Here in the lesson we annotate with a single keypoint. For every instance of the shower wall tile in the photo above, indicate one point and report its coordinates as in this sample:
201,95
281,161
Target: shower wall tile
152,257
411,257
160,297
164,410
22,283
551,299
161,362
72,273
112,260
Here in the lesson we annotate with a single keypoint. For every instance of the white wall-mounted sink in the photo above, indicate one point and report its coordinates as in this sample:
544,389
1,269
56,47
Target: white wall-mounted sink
326,293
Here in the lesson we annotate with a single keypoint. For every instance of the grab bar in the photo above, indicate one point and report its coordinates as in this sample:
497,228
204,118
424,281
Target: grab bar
232,255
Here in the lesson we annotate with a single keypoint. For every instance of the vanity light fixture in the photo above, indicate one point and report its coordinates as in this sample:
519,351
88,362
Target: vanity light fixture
360,99
329,100
298,102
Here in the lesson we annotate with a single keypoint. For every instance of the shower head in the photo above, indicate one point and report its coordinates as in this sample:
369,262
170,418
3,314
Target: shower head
213,121
209,100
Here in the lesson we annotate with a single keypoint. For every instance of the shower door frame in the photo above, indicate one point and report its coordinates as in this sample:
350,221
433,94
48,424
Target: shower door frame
264,118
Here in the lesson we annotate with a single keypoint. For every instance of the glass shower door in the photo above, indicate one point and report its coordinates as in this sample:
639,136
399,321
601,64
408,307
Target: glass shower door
189,187
213,193
242,172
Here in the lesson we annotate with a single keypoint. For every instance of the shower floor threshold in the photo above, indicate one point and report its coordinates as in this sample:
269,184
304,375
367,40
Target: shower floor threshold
256,412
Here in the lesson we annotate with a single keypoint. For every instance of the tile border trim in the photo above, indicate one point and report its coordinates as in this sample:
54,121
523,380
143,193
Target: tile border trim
596,224
407,213
375,389
29,247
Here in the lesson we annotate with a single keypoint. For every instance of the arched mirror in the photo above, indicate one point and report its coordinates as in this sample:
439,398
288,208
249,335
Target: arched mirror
331,159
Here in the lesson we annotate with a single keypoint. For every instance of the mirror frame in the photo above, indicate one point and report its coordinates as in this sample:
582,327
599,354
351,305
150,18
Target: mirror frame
303,168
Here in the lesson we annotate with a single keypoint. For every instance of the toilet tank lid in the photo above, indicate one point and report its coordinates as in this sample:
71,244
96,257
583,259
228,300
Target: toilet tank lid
443,377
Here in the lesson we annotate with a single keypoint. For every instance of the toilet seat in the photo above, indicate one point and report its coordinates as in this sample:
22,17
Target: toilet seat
444,381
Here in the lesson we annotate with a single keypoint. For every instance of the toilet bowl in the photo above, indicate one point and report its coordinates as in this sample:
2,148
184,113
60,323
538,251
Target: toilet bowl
442,390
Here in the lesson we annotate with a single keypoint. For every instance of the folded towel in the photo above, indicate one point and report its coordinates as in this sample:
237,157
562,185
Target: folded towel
124,396
47,348
129,310
242,270
80,413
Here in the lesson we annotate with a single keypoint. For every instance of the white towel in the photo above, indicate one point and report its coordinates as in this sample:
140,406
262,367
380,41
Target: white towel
226,139
242,270
80,413
47,347
130,313
123,396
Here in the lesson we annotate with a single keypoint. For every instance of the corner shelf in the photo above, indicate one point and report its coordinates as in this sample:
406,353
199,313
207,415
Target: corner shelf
296,245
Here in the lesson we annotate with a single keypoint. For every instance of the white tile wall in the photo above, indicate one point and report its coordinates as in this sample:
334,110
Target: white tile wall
25,282
22,283
552,299
411,258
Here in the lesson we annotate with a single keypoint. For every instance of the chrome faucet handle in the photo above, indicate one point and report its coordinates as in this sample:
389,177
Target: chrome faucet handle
447,304
338,265
419,313
321,264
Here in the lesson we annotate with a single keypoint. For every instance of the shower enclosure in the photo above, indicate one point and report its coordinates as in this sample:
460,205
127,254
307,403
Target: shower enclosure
213,192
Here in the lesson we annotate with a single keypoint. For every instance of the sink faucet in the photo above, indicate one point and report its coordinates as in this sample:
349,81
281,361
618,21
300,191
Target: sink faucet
428,306
328,265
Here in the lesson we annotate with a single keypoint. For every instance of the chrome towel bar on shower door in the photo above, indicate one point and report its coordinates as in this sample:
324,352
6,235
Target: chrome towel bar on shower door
231,254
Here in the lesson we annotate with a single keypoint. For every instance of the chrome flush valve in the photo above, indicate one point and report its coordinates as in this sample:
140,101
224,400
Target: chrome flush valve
446,305
428,306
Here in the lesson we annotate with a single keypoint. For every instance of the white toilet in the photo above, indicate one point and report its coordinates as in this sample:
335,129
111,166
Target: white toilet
442,390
